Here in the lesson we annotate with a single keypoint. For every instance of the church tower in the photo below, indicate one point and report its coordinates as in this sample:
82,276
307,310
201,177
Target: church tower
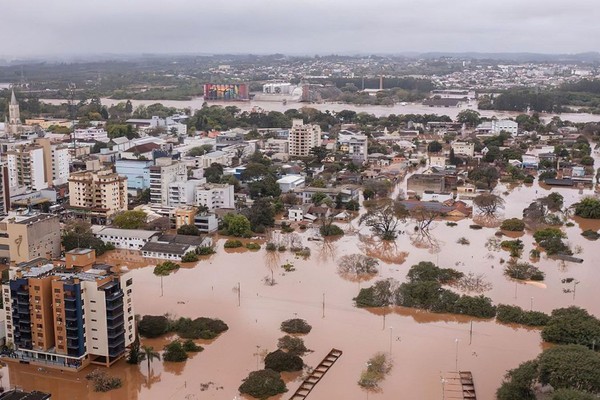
14,115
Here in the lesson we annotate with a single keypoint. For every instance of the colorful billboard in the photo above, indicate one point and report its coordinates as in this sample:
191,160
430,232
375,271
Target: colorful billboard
226,92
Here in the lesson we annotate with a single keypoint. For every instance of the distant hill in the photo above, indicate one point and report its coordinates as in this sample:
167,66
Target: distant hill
519,57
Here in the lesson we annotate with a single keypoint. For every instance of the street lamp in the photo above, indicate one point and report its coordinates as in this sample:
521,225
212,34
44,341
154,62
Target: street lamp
456,359
531,306
443,389
391,334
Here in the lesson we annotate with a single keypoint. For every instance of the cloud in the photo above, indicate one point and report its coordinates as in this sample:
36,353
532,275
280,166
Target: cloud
300,26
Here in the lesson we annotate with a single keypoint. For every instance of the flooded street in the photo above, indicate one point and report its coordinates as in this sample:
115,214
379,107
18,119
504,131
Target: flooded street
422,344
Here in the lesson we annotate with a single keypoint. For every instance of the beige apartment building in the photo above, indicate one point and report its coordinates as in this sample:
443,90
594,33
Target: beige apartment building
97,194
303,137
24,237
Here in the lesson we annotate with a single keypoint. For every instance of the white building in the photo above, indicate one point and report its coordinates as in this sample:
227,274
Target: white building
277,146
127,239
355,145
183,193
464,148
98,134
288,183
165,172
61,160
277,88
496,126
303,137
213,196
206,223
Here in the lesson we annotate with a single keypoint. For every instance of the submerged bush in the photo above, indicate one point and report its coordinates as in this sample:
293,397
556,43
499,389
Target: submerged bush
295,326
263,384
281,361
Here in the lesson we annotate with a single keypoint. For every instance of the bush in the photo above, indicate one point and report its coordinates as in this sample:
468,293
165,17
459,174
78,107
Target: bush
174,352
572,325
426,295
475,227
571,394
152,326
475,306
190,256
205,250
281,247
528,179
451,224
570,367
293,345
464,241
199,328
516,315
514,246
378,367
165,268
102,381
286,228
189,230
271,246
513,225
190,347
263,384
588,208
548,233
331,230
304,253
523,271
253,246
428,271
590,234
381,294
295,326
281,361
232,244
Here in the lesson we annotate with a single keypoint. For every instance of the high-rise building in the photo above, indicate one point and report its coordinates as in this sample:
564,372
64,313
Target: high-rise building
70,315
215,195
303,137
165,172
38,166
97,194
14,115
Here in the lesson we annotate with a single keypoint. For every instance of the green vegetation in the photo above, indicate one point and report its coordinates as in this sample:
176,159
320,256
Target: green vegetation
330,229
190,347
378,367
590,234
293,345
516,315
174,352
190,256
295,326
190,230
199,328
236,225
78,234
152,326
130,220
514,246
263,384
232,244
550,239
572,325
253,246
426,271
281,361
205,250
165,268
513,225
271,246
588,208
523,271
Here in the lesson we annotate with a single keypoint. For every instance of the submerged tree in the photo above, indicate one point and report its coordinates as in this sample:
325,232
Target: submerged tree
489,204
384,219
358,267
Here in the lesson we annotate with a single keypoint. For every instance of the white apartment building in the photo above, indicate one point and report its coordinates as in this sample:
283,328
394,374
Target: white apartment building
464,148
213,196
102,192
355,145
303,137
277,145
183,193
91,133
26,168
61,159
497,126
165,172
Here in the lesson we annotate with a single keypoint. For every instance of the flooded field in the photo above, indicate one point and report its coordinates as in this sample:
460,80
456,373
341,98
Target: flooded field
410,108
423,345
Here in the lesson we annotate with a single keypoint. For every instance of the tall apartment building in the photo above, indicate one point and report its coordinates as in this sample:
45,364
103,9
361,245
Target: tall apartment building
29,236
214,195
162,174
4,189
37,166
355,145
71,315
97,194
303,137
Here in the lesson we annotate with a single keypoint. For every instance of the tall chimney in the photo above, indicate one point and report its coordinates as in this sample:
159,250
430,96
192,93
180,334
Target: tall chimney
381,82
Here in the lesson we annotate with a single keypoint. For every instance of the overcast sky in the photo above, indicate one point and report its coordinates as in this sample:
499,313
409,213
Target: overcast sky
59,27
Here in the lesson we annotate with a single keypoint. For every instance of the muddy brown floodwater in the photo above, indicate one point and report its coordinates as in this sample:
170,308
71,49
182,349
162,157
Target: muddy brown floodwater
423,345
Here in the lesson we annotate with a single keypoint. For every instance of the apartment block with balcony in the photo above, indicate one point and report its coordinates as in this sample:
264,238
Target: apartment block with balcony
214,195
165,172
71,315
303,137
97,194
28,236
